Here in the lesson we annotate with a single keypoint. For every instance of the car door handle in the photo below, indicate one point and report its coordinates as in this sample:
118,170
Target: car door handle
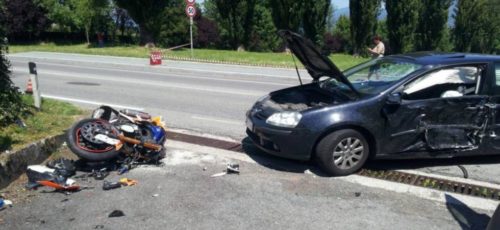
472,108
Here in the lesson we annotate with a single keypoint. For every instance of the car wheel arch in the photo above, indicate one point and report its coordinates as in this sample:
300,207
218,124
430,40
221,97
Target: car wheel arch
366,134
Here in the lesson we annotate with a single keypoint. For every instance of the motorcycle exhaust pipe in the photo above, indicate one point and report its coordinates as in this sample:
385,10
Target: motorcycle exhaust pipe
129,140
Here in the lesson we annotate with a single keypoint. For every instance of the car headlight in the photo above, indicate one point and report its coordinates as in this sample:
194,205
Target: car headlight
285,119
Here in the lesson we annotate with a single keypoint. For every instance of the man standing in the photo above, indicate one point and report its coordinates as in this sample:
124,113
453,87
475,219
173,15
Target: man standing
379,49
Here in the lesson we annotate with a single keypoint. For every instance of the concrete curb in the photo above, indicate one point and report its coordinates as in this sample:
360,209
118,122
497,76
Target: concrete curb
13,164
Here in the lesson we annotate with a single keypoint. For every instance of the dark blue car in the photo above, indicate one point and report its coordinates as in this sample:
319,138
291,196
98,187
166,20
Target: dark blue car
416,105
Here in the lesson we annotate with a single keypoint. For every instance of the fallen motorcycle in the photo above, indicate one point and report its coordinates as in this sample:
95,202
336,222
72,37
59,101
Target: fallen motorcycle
132,136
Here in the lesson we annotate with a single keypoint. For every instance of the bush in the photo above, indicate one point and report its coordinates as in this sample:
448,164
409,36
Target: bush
11,104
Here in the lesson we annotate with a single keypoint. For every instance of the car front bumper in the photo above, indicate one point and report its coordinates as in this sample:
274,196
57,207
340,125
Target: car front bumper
288,143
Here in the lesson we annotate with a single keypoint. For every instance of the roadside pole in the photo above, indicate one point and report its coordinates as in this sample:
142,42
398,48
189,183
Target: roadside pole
191,12
34,80
191,31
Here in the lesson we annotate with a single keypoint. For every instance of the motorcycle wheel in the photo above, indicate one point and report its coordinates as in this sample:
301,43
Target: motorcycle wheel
81,140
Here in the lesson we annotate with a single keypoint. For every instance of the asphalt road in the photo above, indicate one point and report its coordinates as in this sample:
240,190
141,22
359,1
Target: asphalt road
270,194
209,98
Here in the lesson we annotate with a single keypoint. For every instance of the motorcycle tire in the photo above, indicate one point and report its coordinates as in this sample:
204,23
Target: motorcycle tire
88,150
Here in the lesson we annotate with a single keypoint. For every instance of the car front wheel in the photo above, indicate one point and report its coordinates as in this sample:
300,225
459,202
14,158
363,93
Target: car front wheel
342,152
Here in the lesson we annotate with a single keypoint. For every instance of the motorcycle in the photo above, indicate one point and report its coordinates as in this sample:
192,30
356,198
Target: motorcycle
129,135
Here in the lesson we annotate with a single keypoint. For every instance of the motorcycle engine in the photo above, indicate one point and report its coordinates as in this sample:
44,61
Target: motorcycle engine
144,132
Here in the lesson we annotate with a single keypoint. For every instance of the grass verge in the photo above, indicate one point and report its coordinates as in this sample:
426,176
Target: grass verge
54,118
343,61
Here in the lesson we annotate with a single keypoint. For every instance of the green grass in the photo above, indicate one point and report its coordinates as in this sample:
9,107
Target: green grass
54,118
343,61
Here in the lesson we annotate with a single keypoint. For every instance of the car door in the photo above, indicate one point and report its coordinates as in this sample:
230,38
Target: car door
440,110
492,145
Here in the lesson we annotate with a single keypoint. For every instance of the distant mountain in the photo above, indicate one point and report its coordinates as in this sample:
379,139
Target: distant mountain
383,14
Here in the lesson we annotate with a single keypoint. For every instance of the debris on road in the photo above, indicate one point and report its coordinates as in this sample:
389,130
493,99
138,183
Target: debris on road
231,168
116,213
63,167
111,185
5,203
128,182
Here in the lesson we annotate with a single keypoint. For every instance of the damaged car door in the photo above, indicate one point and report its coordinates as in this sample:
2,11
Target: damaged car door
441,110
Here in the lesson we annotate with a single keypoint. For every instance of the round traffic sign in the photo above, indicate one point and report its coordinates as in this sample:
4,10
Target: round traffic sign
190,2
191,11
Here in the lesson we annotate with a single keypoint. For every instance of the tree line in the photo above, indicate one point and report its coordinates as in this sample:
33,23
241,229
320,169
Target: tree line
410,25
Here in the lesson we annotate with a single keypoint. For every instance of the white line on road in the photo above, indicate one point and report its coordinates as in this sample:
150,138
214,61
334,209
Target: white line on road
291,76
225,121
89,102
162,74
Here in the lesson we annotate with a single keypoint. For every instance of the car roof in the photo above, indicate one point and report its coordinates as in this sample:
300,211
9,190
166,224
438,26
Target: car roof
441,58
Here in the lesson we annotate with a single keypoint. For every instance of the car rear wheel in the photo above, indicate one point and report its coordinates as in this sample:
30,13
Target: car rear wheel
342,152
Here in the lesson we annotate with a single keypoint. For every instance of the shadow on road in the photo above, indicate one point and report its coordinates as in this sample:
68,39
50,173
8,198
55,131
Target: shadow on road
276,163
465,216
281,164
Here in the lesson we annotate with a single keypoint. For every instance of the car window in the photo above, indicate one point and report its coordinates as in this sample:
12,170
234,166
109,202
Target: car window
497,73
373,77
444,83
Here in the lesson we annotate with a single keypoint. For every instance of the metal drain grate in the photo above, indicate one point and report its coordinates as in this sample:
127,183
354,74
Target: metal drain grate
388,175
433,183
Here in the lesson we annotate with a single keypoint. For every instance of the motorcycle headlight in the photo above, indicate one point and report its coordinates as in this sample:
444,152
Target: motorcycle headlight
285,119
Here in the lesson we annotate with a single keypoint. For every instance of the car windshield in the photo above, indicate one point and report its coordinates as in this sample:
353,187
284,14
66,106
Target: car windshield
374,76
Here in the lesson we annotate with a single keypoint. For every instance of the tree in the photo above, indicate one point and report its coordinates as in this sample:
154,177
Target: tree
431,30
235,19
61,14
287,14
145,13
173,25
314,21
363,14
11,104
88,12
402,20
23,18
477,26
342,32
263,36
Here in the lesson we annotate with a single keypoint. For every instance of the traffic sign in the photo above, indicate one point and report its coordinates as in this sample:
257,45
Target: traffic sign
191,11
190,2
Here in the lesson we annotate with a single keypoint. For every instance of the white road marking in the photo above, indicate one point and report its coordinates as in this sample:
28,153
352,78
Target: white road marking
212,119
90,102
291,76
163,74
150,83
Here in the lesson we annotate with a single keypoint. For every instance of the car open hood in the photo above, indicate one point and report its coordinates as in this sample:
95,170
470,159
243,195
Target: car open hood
316,64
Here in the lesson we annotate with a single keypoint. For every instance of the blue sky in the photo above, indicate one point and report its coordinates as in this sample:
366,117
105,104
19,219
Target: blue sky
340,3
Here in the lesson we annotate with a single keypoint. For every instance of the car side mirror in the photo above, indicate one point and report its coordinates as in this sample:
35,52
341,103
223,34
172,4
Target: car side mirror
394,99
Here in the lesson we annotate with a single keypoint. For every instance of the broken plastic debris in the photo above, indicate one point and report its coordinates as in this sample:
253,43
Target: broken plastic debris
233,169
5,203
116,213
230,169
127,182
219,174
111,185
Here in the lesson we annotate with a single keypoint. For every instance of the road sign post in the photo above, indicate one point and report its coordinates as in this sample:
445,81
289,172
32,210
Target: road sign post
191,12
